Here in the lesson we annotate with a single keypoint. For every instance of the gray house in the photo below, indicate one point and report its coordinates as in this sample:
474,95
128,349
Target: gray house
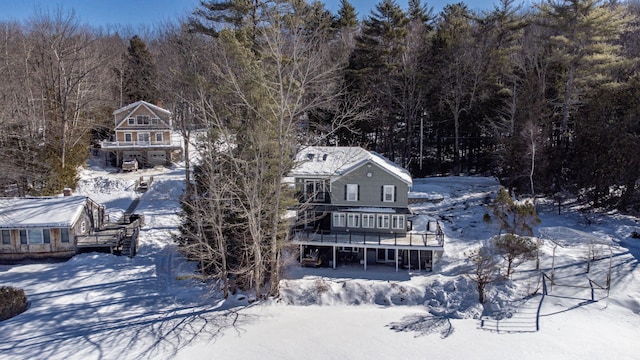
358,201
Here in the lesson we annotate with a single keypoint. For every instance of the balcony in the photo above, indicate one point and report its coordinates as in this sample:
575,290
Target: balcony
174,142
431,240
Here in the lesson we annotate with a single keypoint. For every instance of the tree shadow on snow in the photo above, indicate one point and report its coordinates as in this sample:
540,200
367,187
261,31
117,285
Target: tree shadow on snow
424,324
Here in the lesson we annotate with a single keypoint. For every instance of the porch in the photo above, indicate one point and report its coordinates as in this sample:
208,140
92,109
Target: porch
412,251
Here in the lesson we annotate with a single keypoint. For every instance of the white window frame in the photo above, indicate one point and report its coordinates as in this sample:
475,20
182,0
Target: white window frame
352,192
382,221
339,219
155,121
83,227
388,193
368,221
34,236
159,137
142,119
129,135
353,220
131,121
398,222
142,136
314,190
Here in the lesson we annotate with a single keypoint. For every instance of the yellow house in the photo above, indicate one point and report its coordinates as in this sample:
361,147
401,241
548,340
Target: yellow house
144,132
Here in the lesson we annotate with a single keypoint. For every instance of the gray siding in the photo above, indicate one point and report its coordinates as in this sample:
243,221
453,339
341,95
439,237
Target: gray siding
369,188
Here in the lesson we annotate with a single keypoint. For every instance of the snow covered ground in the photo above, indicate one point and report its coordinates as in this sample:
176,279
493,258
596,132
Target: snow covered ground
99,306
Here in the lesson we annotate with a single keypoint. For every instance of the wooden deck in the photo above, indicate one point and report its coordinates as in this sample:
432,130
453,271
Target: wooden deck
424,240
119,238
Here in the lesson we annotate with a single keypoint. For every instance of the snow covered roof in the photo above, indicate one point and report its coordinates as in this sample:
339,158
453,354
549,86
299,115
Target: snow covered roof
134,105
44,212
335,161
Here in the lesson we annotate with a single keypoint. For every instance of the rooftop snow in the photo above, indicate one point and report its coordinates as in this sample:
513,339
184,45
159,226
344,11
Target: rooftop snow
329,161
141,102
40,211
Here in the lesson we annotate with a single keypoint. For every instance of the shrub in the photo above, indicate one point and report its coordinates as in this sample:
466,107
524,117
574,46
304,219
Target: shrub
12,302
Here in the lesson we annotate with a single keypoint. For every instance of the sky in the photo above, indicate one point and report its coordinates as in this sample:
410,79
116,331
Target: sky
104,13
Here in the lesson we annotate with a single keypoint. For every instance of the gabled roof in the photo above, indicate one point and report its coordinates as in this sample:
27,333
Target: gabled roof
44,212
135,105
131,108
335,161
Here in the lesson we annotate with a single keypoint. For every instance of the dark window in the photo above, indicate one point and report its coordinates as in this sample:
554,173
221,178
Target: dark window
6,237
64,235
23,237
46,236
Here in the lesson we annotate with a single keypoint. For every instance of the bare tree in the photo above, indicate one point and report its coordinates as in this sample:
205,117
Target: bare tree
484,270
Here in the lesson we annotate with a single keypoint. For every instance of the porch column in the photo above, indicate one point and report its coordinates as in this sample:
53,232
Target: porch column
419,265
365,258
301,253
396,259
334,257
409,260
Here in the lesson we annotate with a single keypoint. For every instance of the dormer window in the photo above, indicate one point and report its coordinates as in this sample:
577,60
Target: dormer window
132,121
155,121
310,156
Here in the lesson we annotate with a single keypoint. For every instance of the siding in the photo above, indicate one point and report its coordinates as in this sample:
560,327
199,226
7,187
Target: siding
369,188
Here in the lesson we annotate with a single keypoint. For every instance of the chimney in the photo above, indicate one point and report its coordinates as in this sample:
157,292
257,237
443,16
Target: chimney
66,192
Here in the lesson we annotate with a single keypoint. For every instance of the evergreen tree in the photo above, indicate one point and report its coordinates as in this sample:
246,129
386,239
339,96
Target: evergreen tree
347,16
586,55
139,78
374,72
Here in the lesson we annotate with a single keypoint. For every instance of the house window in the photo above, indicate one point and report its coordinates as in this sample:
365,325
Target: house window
155,121
128,137
338,219
143,138
159,137
368,221
34,236
383,221
6,237
83,227
388,193
142,119
23,237
314,190
397,222
353,220
64,235
46,235
132,121
351,192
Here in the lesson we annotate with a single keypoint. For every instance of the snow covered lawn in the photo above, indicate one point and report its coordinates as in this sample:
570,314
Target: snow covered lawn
99,306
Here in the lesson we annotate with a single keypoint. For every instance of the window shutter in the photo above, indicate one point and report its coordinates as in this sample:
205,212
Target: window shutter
345,192
358,198
395,193
382,193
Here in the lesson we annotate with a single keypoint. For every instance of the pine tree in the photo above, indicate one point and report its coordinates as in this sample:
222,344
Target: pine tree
139,78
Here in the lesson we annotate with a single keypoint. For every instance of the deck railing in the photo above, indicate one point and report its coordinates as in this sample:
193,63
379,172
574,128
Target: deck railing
435,238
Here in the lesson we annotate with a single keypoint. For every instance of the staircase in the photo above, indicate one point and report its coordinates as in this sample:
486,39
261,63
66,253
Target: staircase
521,316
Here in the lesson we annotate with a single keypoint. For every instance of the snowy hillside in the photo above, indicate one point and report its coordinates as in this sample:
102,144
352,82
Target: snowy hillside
99,306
